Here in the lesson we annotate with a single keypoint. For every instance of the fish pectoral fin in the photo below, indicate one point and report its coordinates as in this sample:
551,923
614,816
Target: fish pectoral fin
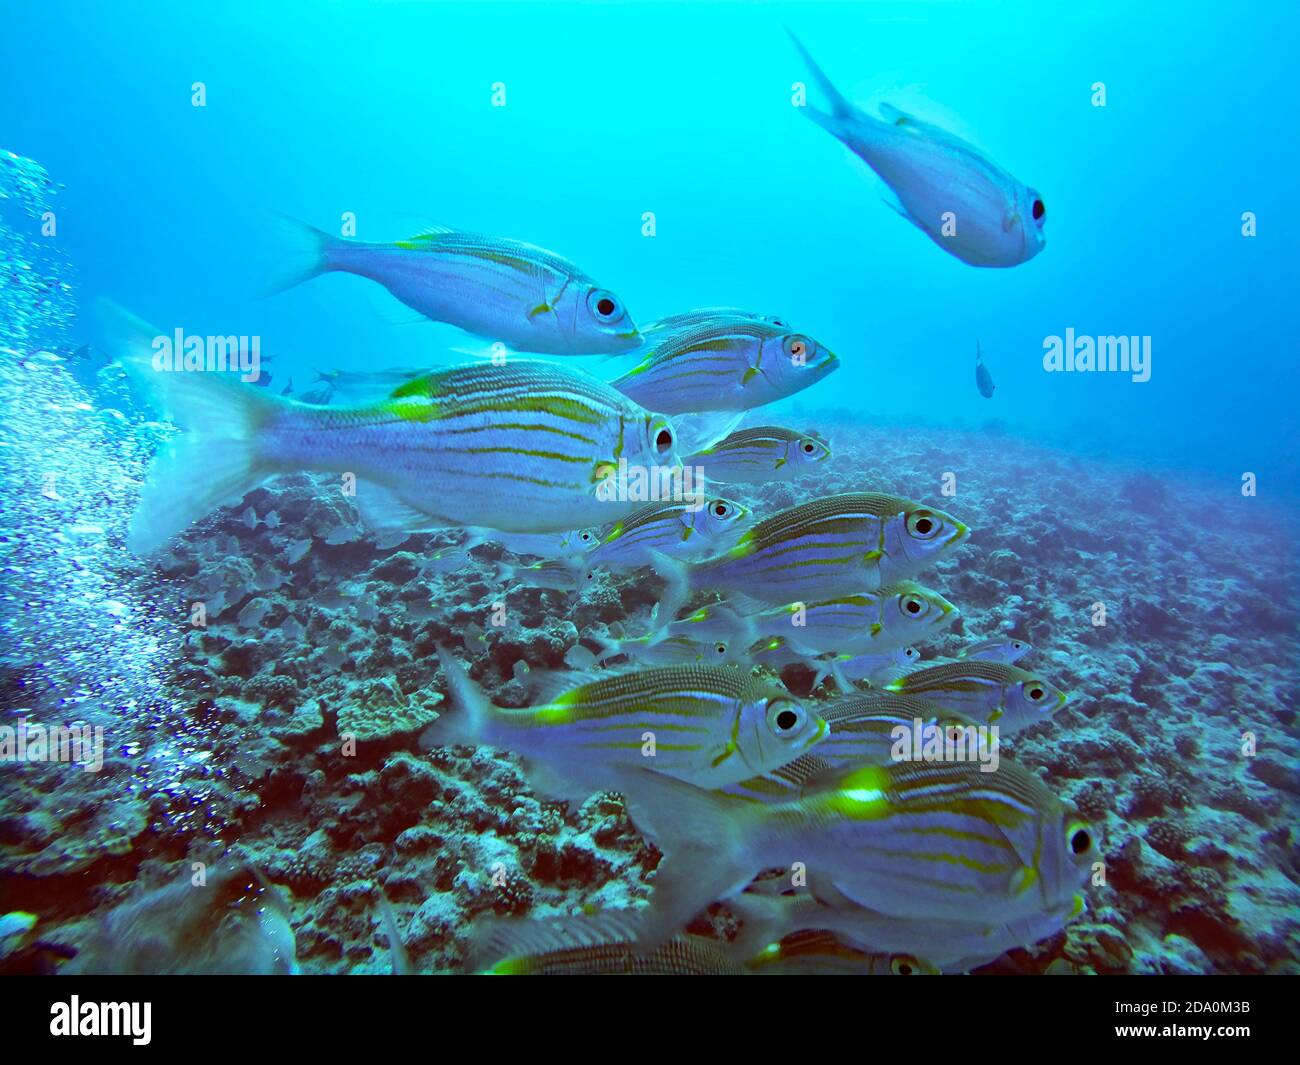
750,374
1010,220
541,308
380,508
901,211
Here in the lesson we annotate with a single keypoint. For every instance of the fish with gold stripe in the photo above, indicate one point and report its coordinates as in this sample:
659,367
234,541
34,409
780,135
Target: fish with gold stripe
723,359
710,725
993,693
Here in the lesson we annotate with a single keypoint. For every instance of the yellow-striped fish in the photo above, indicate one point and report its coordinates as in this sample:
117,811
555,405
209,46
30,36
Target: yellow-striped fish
761,453
524,296
857,540
522,447
989,692
921,840
816,951
710,725
723,359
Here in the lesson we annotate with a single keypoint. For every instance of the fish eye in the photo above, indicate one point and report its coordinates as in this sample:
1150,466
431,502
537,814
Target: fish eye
923,524
902,965
1080,839
911,652
784,717
913,605
604,305
1039,210
796,347
809,447
720,648
720,509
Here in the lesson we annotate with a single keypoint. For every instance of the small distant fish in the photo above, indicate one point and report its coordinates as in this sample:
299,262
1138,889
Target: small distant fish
295,551
983,379
989,692
877,670
253,613
712,725
723,359
936,175
249,518
856,540
505,290
672,650
272,520
762,453
1006,649
691,529
287,390
556,574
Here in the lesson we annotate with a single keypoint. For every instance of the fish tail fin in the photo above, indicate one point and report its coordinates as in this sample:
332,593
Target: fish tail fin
397,955
308,252
841,109
466,723
217,460
704,837
679,584
505,946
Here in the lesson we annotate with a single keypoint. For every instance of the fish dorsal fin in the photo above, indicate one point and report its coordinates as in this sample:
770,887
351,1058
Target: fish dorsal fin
896,116
430,233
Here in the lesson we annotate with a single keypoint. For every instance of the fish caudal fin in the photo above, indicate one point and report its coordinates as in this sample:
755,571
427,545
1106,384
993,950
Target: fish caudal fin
466,722
841,109
703,836
306,254
218,458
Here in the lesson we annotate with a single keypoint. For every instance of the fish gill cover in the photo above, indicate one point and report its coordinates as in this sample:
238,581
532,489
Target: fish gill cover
686,658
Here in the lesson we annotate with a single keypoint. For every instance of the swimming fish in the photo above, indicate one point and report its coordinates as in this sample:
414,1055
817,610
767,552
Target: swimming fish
505,290
1006,649
983,379
862,623
919,840
523,447
815,951
602,944
723,359
963,201
557,574
689,529
992,693
762,453
856,540
658,649
712,725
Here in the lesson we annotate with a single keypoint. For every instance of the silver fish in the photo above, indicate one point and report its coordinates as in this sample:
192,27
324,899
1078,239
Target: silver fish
523,447
989,692
690,529
963,201
1006,649
761,453
526,297
723,360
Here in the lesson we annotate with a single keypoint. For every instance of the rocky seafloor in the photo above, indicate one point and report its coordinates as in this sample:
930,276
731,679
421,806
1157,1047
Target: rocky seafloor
226,740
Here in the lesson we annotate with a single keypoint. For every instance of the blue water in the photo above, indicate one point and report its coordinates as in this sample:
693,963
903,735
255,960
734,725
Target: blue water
685,110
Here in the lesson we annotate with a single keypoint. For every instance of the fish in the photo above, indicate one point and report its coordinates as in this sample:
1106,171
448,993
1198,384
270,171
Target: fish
983,379
933,945
876,669
712,725
864,730
688,529
590,945
523,296
992,219
855,540
723,360
665,650
556,574
815,951
761,453
857,624
235,923
991,693
1006,649
526,446
912,839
